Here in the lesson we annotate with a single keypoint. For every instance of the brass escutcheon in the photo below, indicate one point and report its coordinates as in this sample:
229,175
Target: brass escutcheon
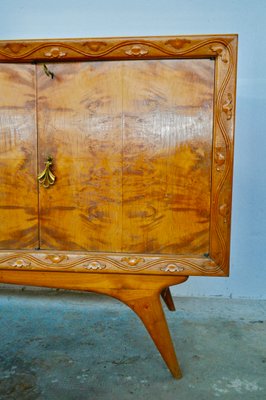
46,178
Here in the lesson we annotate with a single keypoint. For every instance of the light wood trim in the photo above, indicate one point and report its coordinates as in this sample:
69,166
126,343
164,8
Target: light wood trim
195,46
89,262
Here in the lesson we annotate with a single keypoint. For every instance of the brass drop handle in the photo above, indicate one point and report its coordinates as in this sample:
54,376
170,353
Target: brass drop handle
46,178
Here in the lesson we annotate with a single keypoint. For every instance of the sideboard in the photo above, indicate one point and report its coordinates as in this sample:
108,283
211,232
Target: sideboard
116,159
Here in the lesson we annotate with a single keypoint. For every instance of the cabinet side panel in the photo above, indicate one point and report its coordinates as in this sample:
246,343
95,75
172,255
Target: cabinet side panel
168,112
18,173
79,114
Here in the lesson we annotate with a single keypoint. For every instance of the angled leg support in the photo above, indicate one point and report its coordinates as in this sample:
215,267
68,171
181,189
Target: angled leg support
149,309
140,292
168,299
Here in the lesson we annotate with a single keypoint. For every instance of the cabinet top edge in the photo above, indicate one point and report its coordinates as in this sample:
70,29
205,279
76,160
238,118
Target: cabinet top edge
151,37
111,48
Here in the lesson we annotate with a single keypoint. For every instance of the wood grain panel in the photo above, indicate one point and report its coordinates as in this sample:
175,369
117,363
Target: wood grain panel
79,114
18,184
159,115
167,108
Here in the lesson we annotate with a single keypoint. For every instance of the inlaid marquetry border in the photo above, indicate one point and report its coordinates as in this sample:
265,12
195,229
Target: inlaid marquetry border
223,49
112,262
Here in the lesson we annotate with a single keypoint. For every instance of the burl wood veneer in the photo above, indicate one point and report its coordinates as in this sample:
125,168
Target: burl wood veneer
116,166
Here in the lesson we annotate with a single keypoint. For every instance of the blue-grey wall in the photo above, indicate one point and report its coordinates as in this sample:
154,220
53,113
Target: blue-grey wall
81,18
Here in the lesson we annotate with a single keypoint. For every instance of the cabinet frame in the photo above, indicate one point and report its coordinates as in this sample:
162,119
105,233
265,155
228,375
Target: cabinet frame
221,48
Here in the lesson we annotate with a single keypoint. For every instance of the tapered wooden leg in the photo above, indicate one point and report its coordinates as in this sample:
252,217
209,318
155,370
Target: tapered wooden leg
145,302
149,309
168,299
140,292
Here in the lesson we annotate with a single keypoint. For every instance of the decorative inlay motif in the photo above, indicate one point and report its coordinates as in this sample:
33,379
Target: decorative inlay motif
221,51
219,158
209,264
40,261
56,258
132,261
172,268
94,45
177,43
228,106
55,52
136,51
15,47
19,263
224,211
94,265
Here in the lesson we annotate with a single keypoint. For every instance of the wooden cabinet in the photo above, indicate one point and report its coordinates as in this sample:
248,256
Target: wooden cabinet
137,136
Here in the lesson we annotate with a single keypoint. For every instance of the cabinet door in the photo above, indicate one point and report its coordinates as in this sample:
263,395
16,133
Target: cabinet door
167,107
131,143
79,125
18,158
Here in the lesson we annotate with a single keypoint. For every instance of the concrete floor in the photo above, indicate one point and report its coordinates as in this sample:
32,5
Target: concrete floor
64,345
